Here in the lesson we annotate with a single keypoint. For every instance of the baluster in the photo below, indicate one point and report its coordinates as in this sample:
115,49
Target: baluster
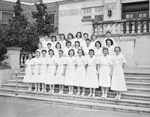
95,30
21,59
106,27
145,27
139,27
133,27
127,27
25,58
98,30
111,28
121,28
116,28
101,29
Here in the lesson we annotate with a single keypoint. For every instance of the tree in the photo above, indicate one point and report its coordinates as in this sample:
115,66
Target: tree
18,31
42,19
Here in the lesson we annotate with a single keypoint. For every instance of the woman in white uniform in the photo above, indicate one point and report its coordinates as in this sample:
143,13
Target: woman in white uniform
110,46
78,38
77,46
36,69
70,71
53,41
105,73
98,49
50,74
92,73
57,48
118,80
60,69
28,72
43,71
80,74
67,48
62,40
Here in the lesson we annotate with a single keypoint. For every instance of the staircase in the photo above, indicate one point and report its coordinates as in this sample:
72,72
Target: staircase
136,99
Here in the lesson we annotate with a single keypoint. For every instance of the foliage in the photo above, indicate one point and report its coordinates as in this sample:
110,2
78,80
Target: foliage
42,18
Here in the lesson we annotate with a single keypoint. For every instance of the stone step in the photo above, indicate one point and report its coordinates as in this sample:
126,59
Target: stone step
78,103
127,102
126,95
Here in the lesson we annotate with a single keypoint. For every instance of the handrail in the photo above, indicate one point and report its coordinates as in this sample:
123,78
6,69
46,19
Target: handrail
16,74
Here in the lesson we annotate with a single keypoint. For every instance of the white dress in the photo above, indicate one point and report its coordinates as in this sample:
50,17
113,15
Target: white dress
43,69
118,79
70,71
28,72
91,75
80,74
60,79
51,66
36,69
104,77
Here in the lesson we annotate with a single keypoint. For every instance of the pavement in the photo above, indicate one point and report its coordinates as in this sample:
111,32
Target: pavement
13,107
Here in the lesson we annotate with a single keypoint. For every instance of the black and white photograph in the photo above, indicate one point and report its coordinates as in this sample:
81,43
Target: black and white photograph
74,58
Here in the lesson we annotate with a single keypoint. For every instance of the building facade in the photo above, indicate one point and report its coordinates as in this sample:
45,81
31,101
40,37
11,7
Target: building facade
128,21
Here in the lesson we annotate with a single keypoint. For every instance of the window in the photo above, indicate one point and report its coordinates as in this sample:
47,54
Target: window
6,16
50,21
99,17
99,9
86,17
87,10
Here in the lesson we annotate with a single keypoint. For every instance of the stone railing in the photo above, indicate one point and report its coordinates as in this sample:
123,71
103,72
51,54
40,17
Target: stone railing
23,58
122,26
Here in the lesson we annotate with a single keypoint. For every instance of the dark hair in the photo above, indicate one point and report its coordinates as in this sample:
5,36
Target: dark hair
99,43
71,35
91,50
49,44
55,37
108,32
93,36
68,42
77,42
50,50
63,35
105,48
85,34
80,34
88,40
39,43
44,51
37,52
70,51
117,47
61,51
57,44
82,51
110,41
29,54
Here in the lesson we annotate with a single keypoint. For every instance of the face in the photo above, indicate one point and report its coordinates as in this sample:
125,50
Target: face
53,39
43,53
30,56
71,53
78,35
69,37
91,53
60,53
85,36
39,45
37,54
62,37
77,44
58,46
97,45
80,52
51,53
88,42
108,43
68,45
93,37
117,50
105,52
108,35
48,46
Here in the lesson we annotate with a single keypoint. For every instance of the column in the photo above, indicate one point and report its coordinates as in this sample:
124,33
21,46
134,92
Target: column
14,58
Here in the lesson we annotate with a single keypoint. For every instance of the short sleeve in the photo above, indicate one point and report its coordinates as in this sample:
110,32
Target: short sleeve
123,59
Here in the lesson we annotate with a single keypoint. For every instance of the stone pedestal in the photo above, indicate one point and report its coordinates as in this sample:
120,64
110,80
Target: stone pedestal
13,54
